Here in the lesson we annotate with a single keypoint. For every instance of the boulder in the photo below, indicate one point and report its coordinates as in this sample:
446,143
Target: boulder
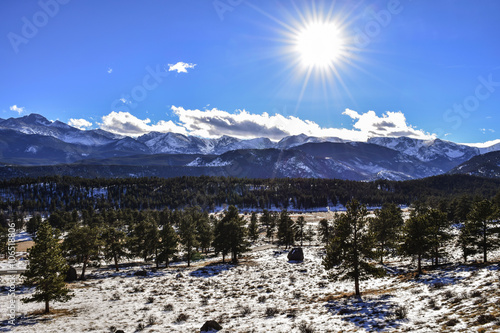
141,273
210,326
296,254
71,274
119,331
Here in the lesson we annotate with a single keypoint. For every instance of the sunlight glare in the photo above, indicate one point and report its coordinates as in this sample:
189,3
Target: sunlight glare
319,44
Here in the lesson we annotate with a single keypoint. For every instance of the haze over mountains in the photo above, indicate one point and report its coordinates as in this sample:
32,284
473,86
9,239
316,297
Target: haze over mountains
34,146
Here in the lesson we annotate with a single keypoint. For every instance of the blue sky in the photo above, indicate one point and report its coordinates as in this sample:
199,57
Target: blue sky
232,67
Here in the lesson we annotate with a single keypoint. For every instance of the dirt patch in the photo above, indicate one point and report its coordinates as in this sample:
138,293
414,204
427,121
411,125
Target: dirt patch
24,246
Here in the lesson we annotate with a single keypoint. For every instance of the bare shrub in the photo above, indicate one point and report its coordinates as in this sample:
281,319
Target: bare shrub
484,319
433,304
305,328
401,312
181,317
168,307
116,296
271,311
452,322
152,320
245,311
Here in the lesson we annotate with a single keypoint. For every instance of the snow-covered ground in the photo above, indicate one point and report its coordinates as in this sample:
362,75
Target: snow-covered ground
266,293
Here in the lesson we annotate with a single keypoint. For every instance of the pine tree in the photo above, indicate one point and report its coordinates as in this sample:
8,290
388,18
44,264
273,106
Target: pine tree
253,228
268,220
301,223
439,233
416,238
169,241
187,234
286,229
33,224
484,226
351,247
47,268
221,241
385,228
114,241
234,231
324,231
82,245
143,241
204,231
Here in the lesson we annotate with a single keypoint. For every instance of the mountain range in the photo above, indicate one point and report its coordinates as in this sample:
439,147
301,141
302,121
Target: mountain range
34,146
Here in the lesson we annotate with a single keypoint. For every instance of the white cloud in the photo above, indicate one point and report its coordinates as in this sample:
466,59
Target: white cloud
125,123
391,124
17,109
484,130
110,70
483,144
215,123
180,67
79,123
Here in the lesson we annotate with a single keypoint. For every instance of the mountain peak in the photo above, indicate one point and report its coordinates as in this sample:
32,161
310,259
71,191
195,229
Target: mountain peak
35,118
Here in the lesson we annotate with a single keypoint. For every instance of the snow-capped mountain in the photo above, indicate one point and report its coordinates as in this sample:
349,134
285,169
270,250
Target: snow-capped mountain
297,140
427,150
34,140
174,143
37,124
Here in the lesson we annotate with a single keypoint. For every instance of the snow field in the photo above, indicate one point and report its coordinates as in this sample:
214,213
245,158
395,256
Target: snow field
266,293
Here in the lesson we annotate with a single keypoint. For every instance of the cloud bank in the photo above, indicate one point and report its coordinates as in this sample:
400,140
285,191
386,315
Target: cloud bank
125,123
180,67
79,123
215,123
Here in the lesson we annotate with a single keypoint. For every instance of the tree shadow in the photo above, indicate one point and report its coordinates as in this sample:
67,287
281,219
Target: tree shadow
24,321
372,314
211,270
442,276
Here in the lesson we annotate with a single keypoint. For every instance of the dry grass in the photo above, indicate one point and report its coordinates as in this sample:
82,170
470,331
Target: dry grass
54,313
24,246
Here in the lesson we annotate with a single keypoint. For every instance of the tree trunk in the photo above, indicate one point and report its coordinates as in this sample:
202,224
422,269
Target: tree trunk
419,264
47,309
115,256
485,252
189,258
82,277
436,256
356,285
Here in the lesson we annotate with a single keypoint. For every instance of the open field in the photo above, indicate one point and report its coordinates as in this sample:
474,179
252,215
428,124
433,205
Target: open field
266,293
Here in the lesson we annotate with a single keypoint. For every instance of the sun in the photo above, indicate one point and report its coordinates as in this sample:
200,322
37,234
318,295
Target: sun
320,44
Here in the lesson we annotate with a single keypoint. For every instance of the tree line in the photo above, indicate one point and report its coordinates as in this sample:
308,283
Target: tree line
49,194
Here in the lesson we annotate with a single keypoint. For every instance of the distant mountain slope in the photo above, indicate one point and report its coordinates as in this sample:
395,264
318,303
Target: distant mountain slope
37,124
35,141
428,150
487,165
